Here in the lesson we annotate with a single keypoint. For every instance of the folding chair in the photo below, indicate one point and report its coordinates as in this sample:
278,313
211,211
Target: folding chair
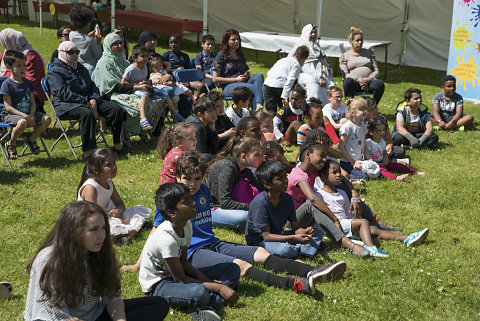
6,135
66,123
189,75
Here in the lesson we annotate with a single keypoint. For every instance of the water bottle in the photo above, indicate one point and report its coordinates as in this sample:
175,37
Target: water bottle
97,31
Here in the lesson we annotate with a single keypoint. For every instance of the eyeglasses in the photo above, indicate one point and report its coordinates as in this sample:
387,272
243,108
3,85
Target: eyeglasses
117,43
338,97
72,52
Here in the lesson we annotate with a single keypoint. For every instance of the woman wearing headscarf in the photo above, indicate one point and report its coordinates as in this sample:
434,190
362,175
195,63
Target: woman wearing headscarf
35,67
76,96
108,75
316,75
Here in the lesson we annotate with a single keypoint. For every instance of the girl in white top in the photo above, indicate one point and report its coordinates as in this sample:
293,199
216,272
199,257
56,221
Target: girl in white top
96,186
74,275
352,138
338,202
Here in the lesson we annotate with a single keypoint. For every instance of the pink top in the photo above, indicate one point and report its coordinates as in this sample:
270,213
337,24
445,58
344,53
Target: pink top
168,168
296,176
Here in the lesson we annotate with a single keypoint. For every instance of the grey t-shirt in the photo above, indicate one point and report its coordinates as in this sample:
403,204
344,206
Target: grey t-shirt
414,122
19,94
134,75
447,107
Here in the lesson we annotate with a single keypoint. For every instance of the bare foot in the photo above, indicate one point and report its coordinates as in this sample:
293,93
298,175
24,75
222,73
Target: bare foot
421,173
401,177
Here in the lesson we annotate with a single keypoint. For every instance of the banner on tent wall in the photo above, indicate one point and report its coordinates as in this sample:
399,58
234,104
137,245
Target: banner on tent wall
464,51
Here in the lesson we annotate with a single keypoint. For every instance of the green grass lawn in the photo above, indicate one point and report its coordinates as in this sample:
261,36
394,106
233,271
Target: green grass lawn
437,280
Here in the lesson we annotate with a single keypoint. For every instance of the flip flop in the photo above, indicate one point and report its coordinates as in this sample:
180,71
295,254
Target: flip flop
146,125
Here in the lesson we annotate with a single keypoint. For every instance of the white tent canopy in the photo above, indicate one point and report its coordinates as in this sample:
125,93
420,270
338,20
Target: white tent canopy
418,29
426,23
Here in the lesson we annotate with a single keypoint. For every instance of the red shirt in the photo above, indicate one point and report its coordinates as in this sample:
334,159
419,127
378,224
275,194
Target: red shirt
168,168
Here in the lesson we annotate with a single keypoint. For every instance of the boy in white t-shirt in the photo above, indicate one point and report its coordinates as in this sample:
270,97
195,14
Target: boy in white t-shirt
241,97
165,270
281,77
334,112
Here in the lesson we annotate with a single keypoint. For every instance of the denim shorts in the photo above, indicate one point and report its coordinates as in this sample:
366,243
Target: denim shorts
12,120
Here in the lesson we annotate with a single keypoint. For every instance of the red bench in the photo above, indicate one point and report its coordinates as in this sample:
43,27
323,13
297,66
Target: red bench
142,20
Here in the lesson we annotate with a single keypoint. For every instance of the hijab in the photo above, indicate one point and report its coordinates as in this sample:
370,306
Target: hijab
12,39
110,67
63,56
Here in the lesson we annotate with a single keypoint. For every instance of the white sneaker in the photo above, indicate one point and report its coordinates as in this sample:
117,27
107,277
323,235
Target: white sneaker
205,314
403,161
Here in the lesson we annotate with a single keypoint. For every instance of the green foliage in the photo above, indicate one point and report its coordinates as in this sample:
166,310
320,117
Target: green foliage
434,281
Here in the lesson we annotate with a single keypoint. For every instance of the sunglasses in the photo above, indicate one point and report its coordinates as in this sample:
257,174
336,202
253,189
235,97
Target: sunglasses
65,34
72,52
117,43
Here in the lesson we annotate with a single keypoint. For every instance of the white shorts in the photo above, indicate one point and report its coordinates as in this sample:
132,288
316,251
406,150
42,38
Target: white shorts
347,226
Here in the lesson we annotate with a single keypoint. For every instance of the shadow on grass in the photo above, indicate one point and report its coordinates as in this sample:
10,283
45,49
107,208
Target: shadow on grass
250,289
59,161
9,178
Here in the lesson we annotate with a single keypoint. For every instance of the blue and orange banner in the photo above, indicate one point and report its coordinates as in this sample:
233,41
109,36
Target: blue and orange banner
464,51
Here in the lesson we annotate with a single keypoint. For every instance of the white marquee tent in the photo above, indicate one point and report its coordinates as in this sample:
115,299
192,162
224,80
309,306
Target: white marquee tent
418,29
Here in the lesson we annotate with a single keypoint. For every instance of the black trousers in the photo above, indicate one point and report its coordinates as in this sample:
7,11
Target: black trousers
114,115
272,98
377,87
150,308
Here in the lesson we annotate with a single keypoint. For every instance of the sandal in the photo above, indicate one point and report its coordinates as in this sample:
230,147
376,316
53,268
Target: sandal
11,150
362,253
144,137
33,147
146,125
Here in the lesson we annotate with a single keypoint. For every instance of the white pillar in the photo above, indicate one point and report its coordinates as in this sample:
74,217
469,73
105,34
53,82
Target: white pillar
319,17
112,4
205,17
40,14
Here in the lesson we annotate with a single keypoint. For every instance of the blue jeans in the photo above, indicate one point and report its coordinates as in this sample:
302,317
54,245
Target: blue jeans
236,219
195,294
352,172
254,83
294,250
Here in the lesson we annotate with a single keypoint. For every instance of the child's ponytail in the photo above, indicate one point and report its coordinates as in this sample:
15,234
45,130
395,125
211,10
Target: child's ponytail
170,136
354,104
94,164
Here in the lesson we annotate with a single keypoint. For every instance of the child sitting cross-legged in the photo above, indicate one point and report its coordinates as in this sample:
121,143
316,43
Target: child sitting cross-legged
20,107
377,151
165,270
96,186
206,249
338,202
271,210
413,127
448,107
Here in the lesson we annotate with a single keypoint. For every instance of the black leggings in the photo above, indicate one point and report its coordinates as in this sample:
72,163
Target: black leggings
150,308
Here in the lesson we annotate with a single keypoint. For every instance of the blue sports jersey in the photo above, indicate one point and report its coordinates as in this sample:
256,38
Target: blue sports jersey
202,225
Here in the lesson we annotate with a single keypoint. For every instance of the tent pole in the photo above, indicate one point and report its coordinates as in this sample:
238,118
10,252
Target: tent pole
319,17
41,18
112,4
205,17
